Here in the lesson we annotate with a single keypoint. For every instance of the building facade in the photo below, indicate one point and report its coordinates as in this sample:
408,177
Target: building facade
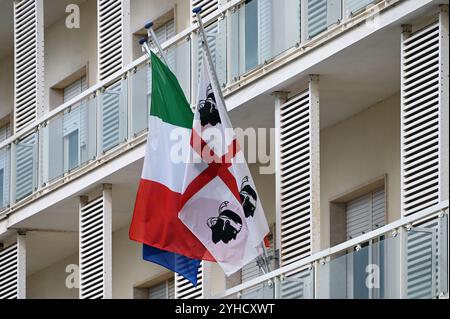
348,103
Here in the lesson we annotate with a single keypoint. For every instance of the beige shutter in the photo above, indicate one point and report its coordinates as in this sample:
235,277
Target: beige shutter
298,181
28,62
185,290
424,118
111,34
95,247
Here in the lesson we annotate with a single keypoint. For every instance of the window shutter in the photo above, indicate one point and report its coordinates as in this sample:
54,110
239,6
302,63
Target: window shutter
265,11
298,285
26,166
13,270
113,115
185,290
251,271
317,17
164,290
420,120
208,7
110,14
8,272
365,213
95,248
298,189
28,62
164,33
426,271
4,168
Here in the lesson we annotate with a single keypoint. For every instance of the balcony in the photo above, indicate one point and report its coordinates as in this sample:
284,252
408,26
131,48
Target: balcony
405,259
111,117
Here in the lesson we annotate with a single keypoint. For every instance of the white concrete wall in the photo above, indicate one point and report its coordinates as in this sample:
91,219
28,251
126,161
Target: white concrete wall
68,50
6,85
51,282
357,150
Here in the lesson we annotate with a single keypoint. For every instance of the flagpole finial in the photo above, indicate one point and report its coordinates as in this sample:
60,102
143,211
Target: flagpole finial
148,25
197,10
143,40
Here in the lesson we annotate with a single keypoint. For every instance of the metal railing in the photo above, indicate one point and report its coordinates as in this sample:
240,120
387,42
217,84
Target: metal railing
111,116
407,258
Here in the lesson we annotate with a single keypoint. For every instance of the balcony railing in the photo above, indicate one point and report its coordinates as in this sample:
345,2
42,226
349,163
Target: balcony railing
75,136
404,259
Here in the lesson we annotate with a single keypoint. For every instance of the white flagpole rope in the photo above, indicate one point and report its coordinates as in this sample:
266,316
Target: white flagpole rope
264,265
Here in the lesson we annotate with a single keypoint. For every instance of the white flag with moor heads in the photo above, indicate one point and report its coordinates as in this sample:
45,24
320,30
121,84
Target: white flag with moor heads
221,206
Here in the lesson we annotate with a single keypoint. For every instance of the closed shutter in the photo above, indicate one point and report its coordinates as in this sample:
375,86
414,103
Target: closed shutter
426,263
185,290
164,33
420,120
365,213
113,116
298,285
28,62
26,166
95,248
8,272
216,35
295,120
4,168
208,8
110,37
317,16
164,290
251,271
265,29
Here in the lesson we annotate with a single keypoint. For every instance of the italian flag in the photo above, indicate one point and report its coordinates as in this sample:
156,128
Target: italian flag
155,219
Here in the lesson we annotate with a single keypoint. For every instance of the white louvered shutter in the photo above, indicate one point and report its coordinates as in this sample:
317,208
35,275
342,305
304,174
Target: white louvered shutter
28,62
422,120
5,158
113,115
8,272
95,248
317,16
251,271
164,290
216,35
298,174
265,33
164,33
208,7
365,213
12,270
26,166
185,290
110,18
297,285
426,273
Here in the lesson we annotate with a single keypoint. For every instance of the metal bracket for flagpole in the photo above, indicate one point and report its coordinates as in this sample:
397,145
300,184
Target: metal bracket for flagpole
151,35
144,45
264,264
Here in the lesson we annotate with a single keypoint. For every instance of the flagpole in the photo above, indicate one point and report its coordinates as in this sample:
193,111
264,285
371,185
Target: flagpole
206,49
151,34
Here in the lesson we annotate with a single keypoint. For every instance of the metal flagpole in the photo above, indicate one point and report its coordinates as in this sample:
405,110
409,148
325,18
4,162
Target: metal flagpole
265,265
151,34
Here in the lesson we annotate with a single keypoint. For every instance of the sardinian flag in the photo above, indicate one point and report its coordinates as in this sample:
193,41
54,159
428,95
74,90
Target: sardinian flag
220,204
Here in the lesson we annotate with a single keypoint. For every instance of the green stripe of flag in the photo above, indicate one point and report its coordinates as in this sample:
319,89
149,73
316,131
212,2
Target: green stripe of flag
168,100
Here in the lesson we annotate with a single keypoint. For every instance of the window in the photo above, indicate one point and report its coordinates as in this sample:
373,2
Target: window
71,126
365,213
161,290
4,166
